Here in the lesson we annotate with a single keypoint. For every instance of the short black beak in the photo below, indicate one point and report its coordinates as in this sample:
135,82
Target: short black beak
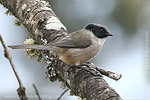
109,34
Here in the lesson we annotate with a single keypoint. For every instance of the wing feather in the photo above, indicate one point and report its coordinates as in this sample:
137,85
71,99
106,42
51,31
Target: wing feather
78,39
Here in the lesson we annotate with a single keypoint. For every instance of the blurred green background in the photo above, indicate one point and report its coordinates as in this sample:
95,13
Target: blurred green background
127,52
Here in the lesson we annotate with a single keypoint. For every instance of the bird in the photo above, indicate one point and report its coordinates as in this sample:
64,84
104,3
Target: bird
77,47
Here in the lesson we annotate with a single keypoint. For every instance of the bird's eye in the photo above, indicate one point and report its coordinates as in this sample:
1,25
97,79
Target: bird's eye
102,29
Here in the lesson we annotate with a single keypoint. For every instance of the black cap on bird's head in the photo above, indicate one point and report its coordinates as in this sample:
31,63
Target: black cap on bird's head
99,30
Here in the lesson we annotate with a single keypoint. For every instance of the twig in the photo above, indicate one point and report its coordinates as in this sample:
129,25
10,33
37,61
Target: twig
109,74
8,56
21,89
62,94
37,93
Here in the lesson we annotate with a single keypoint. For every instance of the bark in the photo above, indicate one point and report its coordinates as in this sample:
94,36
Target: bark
40,20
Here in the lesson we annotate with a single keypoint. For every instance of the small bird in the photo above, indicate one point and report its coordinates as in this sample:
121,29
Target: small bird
78,47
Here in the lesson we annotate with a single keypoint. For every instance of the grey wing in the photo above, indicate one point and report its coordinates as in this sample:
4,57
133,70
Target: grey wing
72,41
65,43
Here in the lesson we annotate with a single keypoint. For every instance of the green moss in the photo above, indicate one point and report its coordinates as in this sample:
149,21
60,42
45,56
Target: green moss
63,85
72,93
36,31
17,22
29,41
8,12
81,98
33,53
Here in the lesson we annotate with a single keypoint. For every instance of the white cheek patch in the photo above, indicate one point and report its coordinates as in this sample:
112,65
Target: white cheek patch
101,41
54,23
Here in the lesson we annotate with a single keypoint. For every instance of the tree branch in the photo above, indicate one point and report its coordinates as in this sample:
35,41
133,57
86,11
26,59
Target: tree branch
38,17
109,74
36,91
21,89
62,94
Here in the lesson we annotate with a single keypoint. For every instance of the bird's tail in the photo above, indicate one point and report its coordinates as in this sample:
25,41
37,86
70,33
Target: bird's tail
38,47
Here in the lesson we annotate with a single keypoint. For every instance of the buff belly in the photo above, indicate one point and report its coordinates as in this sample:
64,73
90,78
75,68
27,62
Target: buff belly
78,56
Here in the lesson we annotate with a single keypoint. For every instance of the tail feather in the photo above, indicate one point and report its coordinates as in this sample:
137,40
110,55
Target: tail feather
38,47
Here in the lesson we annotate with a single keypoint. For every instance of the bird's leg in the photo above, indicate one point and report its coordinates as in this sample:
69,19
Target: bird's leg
86,67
